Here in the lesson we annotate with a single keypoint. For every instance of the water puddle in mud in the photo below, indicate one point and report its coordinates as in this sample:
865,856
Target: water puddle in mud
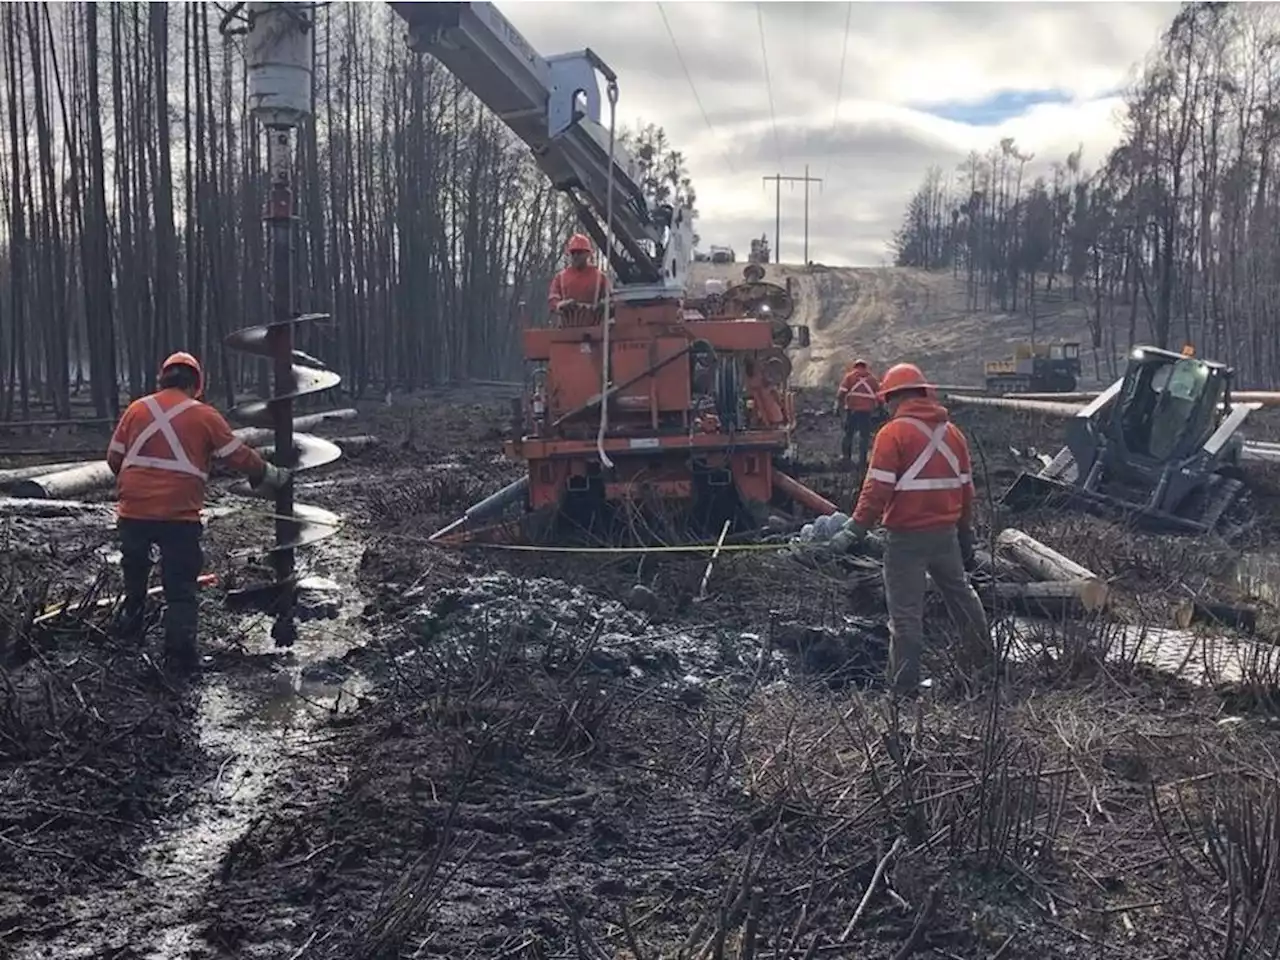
254,732
258,740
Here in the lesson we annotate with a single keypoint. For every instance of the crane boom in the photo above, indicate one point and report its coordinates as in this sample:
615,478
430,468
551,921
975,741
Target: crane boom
554,106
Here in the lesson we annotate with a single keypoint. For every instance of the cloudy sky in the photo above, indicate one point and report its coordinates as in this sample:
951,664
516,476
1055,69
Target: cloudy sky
924,83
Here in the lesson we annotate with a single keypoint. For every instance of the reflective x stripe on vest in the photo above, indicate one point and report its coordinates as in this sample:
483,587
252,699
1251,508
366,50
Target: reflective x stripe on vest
863,387
911,480
162,423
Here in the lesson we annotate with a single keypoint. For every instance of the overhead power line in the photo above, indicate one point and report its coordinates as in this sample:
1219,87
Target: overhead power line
768,83
844,50
692,87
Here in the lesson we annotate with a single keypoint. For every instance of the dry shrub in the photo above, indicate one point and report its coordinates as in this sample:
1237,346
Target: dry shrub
1222,833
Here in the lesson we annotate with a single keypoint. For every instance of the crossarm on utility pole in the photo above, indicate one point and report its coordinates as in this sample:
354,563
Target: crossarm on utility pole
778,180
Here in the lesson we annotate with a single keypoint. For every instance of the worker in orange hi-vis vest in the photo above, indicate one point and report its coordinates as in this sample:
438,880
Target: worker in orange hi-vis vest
920,485
857,400
161,453
578,290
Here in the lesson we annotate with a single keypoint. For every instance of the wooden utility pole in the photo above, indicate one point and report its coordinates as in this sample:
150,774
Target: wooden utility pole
777,179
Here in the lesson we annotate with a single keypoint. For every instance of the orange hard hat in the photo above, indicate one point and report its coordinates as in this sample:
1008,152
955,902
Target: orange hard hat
903,376
578,243
182,359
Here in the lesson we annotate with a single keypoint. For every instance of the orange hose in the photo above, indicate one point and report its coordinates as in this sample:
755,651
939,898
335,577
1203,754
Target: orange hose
798,492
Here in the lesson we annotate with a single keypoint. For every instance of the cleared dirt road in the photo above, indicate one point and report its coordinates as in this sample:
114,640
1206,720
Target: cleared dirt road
888,314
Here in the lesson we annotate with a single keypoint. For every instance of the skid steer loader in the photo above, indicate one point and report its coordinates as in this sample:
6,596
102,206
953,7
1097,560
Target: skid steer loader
1160,445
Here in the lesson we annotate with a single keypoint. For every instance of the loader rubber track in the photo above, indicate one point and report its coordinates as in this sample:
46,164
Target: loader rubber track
1223,506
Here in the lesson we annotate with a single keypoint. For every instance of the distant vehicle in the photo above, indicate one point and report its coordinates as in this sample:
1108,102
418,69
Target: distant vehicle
722,255
1042,368
701,256
760,252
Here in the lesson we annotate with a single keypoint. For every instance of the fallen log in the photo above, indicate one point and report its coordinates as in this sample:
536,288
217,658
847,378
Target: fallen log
81,454
32,509
26,473
356,443
1001,568
1042,562
96,475
54,424
1055,598
74,482
257,436
1215,614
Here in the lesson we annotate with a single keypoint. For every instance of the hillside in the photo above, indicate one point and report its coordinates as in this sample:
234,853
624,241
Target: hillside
892,314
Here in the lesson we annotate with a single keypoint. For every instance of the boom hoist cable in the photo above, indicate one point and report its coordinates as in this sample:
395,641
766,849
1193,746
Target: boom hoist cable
768,83
605,360
844,52
278,46
694,89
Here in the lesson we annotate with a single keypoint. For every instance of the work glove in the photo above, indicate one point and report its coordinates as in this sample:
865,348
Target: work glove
967,544
273,479
848,537
564,305
836,408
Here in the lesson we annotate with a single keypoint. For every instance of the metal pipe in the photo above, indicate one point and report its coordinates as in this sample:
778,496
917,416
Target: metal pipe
1045,407
280,336
798,492
1268,398
490,506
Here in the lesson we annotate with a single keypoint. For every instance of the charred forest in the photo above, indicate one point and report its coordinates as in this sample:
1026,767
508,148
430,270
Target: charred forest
1171,238
135,182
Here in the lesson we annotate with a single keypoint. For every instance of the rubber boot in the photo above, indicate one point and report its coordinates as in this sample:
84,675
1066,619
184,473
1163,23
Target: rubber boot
180,630
180,653
180,564
131,621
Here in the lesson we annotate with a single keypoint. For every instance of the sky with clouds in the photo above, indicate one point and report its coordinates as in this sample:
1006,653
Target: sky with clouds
924,83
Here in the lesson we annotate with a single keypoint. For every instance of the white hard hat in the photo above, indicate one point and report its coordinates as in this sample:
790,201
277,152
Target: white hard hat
713,286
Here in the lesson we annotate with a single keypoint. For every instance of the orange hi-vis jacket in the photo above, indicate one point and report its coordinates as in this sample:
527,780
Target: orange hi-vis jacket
858,391
585,285
920,477
162,451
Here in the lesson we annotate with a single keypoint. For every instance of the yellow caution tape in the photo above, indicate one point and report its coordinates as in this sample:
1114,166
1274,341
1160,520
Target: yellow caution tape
686,548
49,612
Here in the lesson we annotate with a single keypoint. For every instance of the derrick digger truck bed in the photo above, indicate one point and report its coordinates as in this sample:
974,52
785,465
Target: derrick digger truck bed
670,415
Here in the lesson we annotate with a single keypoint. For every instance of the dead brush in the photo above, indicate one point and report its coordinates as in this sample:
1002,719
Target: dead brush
1248,673
86,733
435,493
921,773
494,668
1223,835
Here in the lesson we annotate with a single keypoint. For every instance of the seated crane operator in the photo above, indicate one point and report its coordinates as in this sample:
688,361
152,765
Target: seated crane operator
578,290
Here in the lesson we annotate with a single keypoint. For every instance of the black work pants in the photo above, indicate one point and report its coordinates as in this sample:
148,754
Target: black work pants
862,423
180,562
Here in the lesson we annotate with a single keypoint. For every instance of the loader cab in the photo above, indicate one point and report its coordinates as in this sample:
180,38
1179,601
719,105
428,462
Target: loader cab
1168,405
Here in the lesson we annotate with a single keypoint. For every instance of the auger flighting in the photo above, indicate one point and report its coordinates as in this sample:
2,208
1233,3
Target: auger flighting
279,38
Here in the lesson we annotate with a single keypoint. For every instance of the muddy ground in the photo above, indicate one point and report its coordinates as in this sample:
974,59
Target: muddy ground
510,754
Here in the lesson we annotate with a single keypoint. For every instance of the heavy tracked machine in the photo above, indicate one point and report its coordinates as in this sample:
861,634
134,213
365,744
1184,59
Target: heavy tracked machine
657,415
1043,367
1160,444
